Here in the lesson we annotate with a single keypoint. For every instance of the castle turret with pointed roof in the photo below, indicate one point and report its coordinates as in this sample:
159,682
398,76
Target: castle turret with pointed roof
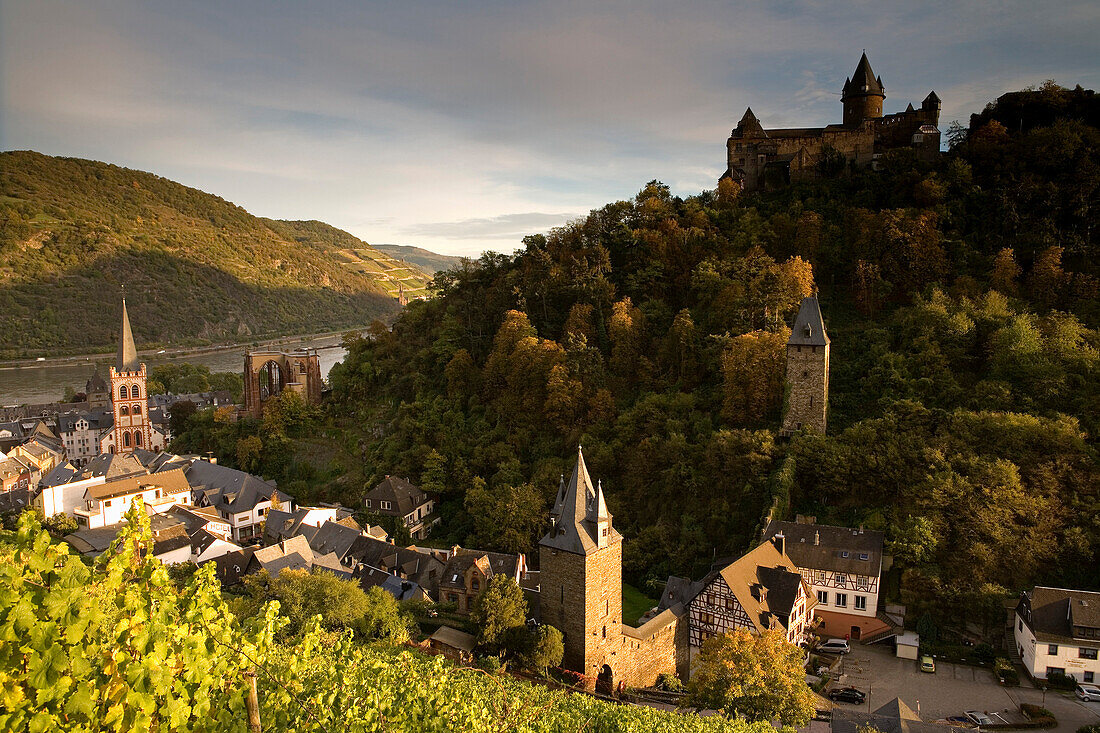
580,561
807,371
768,158
129,400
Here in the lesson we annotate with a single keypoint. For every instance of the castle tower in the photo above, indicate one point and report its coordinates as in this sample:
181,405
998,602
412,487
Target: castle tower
581,561
807,371
863,94
129,399
930,109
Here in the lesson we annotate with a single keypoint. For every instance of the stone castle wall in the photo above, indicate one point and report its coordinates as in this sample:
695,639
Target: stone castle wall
808,382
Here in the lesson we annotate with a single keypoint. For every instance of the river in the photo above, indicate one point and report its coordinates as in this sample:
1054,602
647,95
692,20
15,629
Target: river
43,382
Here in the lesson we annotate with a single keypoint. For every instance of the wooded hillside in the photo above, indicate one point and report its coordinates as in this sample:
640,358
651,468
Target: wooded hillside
196,268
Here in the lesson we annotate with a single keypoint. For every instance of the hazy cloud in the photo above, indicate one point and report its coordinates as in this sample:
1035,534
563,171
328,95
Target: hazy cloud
433,123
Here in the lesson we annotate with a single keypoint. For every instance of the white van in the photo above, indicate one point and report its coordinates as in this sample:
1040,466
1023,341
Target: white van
833,646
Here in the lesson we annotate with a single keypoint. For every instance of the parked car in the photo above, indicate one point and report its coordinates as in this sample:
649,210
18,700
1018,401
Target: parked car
927,664
847,694
1088,693
833,646
977,717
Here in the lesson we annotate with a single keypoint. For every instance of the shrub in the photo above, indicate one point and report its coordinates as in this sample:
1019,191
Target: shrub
1060,681
1094,728
984,653
1004,670
669,683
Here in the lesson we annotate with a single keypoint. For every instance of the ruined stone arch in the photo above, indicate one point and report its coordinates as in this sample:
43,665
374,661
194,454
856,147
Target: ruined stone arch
271,380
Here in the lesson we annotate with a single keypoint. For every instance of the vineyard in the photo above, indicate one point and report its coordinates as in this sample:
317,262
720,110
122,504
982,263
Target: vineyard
117,646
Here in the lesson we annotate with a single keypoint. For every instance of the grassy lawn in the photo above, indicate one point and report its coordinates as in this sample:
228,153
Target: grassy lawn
635,603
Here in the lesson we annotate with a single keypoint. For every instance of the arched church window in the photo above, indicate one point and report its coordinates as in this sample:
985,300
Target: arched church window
135,410
124,410
137,439
122,391
126,439
134,391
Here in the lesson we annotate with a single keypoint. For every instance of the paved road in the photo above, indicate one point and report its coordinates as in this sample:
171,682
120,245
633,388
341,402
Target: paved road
952,689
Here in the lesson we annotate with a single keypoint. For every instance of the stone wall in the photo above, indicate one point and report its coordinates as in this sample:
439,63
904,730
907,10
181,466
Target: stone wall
300,371
808,388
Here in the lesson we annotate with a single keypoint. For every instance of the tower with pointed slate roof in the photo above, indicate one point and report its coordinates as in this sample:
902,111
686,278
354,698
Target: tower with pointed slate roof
129,400
863,94
580,559
807,371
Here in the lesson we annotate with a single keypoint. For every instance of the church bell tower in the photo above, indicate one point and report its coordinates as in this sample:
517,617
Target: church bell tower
129,400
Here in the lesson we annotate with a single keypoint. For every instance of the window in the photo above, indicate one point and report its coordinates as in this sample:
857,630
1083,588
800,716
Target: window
135,410
475,583
107,503
134,392
844,553
864,556
1086,653
605,632
126,439
1089,677
368,503
137,439
823,596
841,600
1020,625
861,603
384,504
301,367
1055,670
124,410
122,392
452,598
1052,650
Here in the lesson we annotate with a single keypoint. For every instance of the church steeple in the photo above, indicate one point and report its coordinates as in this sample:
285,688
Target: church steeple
127,359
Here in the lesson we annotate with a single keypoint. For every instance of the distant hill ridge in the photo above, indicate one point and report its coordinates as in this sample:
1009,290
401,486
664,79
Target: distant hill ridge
426,260
196,268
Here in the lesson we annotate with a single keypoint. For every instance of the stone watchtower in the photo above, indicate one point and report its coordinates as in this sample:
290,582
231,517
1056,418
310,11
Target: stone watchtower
807,371
863,95
129,400
581,561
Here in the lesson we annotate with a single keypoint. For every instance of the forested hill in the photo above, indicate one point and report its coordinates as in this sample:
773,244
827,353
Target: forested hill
961,298
196,268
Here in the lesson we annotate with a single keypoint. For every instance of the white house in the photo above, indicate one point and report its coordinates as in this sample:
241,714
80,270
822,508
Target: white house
106,503
843,567
240,498
1058,630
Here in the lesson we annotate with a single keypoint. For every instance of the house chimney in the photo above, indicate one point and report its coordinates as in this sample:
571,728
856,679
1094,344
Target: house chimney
817,538
780,543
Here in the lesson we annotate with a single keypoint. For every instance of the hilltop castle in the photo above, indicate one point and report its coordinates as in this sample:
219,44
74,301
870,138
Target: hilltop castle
759,158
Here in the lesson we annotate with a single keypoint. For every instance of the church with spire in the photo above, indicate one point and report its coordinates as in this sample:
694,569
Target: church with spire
759,158
581,576
129,401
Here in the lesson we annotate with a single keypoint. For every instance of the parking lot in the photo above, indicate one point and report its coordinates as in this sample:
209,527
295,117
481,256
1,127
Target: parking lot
951,690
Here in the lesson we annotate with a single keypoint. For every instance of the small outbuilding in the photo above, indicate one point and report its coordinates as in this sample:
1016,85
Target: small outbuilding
908,645
453,643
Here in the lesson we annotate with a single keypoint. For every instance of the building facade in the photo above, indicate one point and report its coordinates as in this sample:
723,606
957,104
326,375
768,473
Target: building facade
807,371
1058,631
268,374
397,497
757,158
129,400
843,569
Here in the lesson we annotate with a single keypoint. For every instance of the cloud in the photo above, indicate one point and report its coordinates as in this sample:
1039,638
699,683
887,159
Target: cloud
507,226
432,123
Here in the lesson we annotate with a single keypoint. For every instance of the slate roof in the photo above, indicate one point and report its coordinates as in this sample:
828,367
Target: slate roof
679,591
423,568
231,566
172,482
764,566
229,490
1051,613
403,496
822,547
62,473
809,326
331,537
491,563
455,639
893,717
573,527
127,358
864,77
112,466
15,500
400,588
168,535
96,383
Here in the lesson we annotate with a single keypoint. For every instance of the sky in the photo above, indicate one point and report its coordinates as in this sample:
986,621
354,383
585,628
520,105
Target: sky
463,126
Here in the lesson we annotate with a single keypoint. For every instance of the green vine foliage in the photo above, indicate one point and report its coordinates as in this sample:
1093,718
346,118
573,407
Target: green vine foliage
116,646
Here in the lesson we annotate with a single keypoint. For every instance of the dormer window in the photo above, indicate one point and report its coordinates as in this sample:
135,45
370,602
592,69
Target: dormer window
864,556
384,504
806,330
844,553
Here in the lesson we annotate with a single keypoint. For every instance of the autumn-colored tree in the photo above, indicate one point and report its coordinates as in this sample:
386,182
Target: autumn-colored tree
1047,276
869,287
728,192
913,253
751,676
1005,272
680,350
462,375
564,398
629,365
249,449
752,375
579,322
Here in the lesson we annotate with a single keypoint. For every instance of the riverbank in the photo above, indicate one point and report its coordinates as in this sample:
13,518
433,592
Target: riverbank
174,353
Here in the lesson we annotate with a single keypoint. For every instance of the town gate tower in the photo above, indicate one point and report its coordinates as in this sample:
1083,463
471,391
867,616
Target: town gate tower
807,371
